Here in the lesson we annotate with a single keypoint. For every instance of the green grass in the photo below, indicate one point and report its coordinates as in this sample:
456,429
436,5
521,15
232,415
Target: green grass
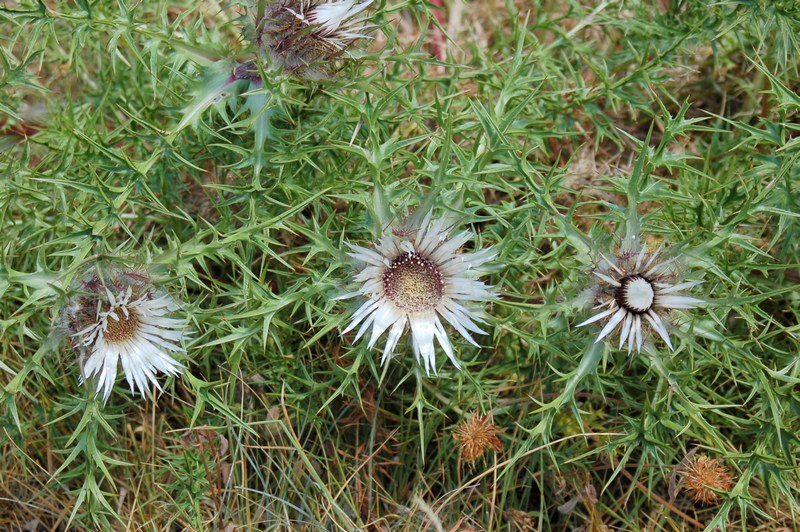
550,129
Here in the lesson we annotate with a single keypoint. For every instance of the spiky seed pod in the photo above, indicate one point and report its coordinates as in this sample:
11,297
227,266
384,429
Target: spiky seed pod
704,477
475,435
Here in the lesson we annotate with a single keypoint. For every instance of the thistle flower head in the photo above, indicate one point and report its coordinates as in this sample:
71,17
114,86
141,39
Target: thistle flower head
119,317
414,275
704,477
306,37
635,289
475,435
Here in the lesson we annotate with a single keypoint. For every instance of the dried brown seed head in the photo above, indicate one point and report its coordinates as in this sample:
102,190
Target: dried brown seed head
703,477
475,435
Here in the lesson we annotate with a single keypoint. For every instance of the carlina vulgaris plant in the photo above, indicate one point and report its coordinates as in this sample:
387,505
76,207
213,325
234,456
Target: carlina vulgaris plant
635,288
414,275
631,286
294,41
116,316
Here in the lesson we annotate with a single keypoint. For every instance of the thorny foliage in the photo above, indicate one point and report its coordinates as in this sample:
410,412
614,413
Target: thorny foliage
546,127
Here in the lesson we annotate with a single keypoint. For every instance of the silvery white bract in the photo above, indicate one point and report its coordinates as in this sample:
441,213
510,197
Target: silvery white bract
415,275
637,289
336,20
119,318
